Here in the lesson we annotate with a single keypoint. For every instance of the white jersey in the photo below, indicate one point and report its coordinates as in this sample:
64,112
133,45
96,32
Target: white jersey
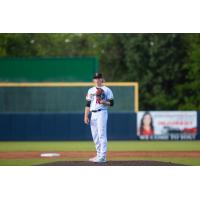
91,96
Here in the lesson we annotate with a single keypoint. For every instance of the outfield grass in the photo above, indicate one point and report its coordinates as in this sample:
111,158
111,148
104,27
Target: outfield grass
112,146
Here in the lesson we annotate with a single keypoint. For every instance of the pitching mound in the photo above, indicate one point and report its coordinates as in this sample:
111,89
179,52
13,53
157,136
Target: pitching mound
112,163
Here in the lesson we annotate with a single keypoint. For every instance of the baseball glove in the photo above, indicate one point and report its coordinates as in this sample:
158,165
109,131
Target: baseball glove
99,95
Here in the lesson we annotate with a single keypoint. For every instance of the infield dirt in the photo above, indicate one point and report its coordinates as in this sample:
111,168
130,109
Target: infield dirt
111,154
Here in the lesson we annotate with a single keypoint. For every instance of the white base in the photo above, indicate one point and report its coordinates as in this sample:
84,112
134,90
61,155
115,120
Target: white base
49,155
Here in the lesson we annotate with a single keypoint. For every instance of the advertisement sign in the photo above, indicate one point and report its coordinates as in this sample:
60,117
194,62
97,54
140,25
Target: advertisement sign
167,125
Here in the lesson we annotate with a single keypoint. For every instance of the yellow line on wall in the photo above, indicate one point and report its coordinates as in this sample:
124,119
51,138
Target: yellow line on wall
136,95
61,84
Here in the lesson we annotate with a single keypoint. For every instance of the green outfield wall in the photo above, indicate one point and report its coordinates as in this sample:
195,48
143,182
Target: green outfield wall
63,97
70,69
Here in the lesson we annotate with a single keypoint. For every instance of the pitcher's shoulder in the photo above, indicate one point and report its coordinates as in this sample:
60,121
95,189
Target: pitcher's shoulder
92,89
106,88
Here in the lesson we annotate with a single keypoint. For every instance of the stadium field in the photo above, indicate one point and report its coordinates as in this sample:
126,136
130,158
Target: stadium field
28,153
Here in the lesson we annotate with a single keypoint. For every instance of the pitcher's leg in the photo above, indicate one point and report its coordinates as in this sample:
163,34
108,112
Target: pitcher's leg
102,132
95,136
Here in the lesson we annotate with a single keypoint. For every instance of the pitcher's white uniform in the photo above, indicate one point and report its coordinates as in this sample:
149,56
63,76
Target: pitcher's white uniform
99,118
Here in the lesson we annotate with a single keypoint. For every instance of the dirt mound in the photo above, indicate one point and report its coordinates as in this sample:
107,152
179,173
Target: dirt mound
111,163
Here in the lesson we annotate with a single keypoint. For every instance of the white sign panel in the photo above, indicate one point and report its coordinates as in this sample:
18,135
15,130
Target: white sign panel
167,125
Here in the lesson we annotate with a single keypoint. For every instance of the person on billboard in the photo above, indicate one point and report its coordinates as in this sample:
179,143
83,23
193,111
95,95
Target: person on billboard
146,125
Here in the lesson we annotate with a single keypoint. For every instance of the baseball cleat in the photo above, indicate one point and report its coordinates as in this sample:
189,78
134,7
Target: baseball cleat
101,160
94,159
97,159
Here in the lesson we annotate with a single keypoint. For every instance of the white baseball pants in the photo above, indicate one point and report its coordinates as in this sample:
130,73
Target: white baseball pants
98,125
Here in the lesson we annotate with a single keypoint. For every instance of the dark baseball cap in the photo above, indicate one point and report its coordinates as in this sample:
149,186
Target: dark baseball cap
97,75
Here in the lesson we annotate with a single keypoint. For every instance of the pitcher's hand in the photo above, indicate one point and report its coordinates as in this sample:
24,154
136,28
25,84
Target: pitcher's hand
106,103
86,120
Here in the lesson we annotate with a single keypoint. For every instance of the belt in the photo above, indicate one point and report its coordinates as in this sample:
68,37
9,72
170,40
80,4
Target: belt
97,110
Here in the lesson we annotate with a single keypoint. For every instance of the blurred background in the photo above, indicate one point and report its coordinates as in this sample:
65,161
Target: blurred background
166,66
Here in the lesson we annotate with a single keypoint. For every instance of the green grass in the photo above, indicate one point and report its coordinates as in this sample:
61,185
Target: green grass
22,162
30,162
155,146
112,146
46,146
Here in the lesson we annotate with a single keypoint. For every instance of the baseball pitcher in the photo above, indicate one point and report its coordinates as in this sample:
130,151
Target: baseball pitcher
98,99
